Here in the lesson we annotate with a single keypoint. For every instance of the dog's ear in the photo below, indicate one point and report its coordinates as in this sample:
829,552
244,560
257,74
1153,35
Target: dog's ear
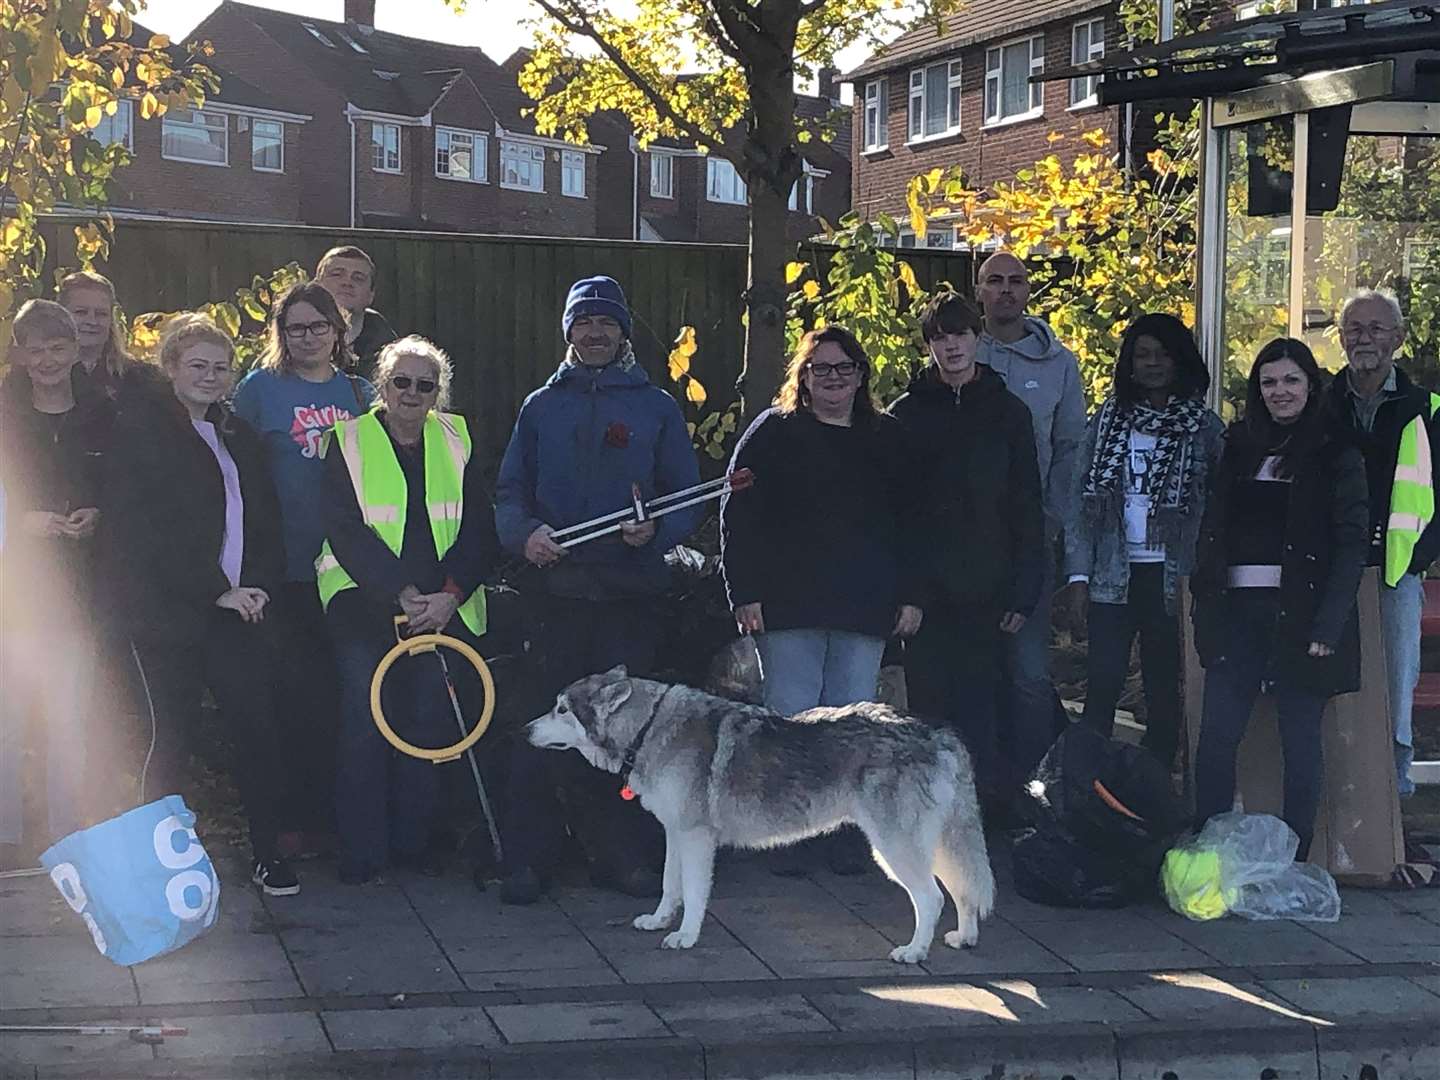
612,695
616,674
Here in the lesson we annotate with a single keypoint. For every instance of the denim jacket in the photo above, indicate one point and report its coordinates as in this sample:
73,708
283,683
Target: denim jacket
1097,550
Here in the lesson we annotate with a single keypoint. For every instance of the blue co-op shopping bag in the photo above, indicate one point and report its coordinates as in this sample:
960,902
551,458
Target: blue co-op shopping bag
141,881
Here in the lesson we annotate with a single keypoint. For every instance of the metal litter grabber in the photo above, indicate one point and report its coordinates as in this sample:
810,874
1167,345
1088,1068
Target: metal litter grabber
640,510
150,1034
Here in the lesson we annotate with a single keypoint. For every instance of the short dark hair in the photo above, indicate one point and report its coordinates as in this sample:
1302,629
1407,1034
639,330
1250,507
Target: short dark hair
949,313
1192,377
345,251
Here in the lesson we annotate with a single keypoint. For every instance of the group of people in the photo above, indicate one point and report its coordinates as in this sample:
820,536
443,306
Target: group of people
269,541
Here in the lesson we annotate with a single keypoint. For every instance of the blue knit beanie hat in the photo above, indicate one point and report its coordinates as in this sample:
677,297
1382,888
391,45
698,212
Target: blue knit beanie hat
596,296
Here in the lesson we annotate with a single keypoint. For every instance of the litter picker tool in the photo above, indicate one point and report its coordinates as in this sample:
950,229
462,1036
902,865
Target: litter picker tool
153,1034
640,510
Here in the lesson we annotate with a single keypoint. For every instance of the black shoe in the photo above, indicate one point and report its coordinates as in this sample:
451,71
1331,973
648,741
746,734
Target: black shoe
275,877
521,886
356,873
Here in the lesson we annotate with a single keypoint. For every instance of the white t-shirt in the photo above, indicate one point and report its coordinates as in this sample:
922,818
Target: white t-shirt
1139,496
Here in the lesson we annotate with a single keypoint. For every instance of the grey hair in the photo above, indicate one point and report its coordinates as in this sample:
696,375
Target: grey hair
1388,298
415,345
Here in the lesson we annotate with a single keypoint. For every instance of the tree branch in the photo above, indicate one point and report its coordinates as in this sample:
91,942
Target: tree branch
809,7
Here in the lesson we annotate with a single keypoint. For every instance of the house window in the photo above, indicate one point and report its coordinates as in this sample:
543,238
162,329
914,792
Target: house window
722,183
1274,269
267,145
936,239
935,100
662,175
385,147
802,195
460,155
877,103
1009,93
522,165
1087,42
119,128
195,136
314,32
572,173
1421,257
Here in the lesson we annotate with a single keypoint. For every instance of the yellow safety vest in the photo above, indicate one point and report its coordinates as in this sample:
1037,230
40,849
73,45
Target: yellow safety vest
381,492
1412,497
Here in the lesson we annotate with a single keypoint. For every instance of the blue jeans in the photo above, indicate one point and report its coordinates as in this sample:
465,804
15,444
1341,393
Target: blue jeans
1028,694
50,675
1400,622
1231,686
801,669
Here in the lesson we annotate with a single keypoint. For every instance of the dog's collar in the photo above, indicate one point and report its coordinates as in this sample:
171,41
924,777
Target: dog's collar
627,762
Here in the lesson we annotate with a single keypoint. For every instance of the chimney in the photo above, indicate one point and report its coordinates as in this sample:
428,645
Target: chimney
826,77
361,12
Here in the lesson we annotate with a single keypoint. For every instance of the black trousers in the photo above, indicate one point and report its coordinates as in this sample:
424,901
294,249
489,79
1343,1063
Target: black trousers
1113,628
952,677
548,790
309,699
234,660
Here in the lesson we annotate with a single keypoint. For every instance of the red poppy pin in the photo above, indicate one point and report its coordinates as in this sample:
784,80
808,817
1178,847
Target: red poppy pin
617,435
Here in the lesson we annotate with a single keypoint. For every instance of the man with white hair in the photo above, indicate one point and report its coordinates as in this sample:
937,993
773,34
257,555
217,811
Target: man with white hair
1391,420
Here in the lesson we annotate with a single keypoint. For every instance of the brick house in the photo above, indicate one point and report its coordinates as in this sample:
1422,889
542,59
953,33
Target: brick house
957,92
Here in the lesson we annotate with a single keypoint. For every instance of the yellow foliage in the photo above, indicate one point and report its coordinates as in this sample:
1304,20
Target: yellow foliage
694,392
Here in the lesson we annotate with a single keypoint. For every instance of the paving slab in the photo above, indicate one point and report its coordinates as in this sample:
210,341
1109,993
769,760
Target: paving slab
59,971
33,907
599,975
324,904
1153,1052
225,1037
1080,1052
1395,938
1343,999
425,1028
219,967
1002,949
1019,1001
1240,943
1128,943
749,1017
635,1059
389,960
483,955
735,964
898,1008
1391,1052
567,1022
1196,996
818,1056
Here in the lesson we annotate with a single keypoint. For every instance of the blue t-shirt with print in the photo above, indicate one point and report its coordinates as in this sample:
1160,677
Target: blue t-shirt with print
291,414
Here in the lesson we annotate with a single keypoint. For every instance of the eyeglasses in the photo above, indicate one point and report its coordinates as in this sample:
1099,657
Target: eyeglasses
404,382
297,331
843,367
1353,331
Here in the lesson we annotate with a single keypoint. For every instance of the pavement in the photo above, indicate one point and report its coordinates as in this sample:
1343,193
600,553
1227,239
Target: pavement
418,977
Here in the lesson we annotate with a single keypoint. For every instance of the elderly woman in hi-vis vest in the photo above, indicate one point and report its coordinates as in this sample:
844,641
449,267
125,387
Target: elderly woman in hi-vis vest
410,530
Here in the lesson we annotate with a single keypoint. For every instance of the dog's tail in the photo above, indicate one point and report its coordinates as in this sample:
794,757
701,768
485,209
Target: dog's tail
961,862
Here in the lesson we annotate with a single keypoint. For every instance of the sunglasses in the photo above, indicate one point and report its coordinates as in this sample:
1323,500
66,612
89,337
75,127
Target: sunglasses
404,382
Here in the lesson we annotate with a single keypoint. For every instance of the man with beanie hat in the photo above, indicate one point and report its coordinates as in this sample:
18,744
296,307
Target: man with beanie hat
596,427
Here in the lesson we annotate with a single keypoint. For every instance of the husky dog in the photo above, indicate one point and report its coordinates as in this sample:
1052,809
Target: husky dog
715,771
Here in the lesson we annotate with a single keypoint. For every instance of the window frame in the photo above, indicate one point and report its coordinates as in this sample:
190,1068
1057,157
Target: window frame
255,123
996,74
125,107
568,161
919,93
795,204
657,159
712,163
880,106
530,149
1093,51
479,154
378,147
171,118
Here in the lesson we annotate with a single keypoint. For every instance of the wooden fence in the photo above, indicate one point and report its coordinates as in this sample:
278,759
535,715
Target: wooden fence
493,302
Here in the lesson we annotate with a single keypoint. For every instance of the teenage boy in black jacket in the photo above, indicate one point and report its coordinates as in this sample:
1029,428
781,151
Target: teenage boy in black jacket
983,520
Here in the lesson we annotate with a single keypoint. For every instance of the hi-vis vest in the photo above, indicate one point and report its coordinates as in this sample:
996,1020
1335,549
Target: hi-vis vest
1412,497
381,492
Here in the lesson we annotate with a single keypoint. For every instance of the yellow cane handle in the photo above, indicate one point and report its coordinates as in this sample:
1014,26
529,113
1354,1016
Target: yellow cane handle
412,646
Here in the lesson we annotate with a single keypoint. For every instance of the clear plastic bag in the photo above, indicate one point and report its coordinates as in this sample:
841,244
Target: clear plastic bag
1302,891
1252,847
1207,876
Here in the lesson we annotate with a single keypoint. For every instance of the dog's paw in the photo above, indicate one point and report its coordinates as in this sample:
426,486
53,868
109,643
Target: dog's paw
654,921
908,954
957,940
680,939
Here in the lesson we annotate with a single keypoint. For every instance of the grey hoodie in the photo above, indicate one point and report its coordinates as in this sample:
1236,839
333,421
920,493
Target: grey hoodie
1044,374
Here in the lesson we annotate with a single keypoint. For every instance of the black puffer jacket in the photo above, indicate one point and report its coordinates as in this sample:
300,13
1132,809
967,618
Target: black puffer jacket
1326,529
167,523
983,522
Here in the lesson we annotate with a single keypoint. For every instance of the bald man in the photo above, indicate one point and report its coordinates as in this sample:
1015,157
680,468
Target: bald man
1041,372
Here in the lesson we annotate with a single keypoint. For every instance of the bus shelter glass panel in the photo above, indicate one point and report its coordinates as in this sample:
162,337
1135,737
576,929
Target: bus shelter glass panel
1383,233
1256,282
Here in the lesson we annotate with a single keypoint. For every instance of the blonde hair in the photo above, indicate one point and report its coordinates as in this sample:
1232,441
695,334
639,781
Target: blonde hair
42,319
186,329
114,356
415,345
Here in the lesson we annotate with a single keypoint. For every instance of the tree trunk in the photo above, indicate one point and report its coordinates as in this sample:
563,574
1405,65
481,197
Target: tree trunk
770,250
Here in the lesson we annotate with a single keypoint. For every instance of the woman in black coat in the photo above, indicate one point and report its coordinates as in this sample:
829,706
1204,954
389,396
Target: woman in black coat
196,533
1281,551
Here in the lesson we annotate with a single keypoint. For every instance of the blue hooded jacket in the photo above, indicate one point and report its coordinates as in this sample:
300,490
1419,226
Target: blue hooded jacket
579,442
